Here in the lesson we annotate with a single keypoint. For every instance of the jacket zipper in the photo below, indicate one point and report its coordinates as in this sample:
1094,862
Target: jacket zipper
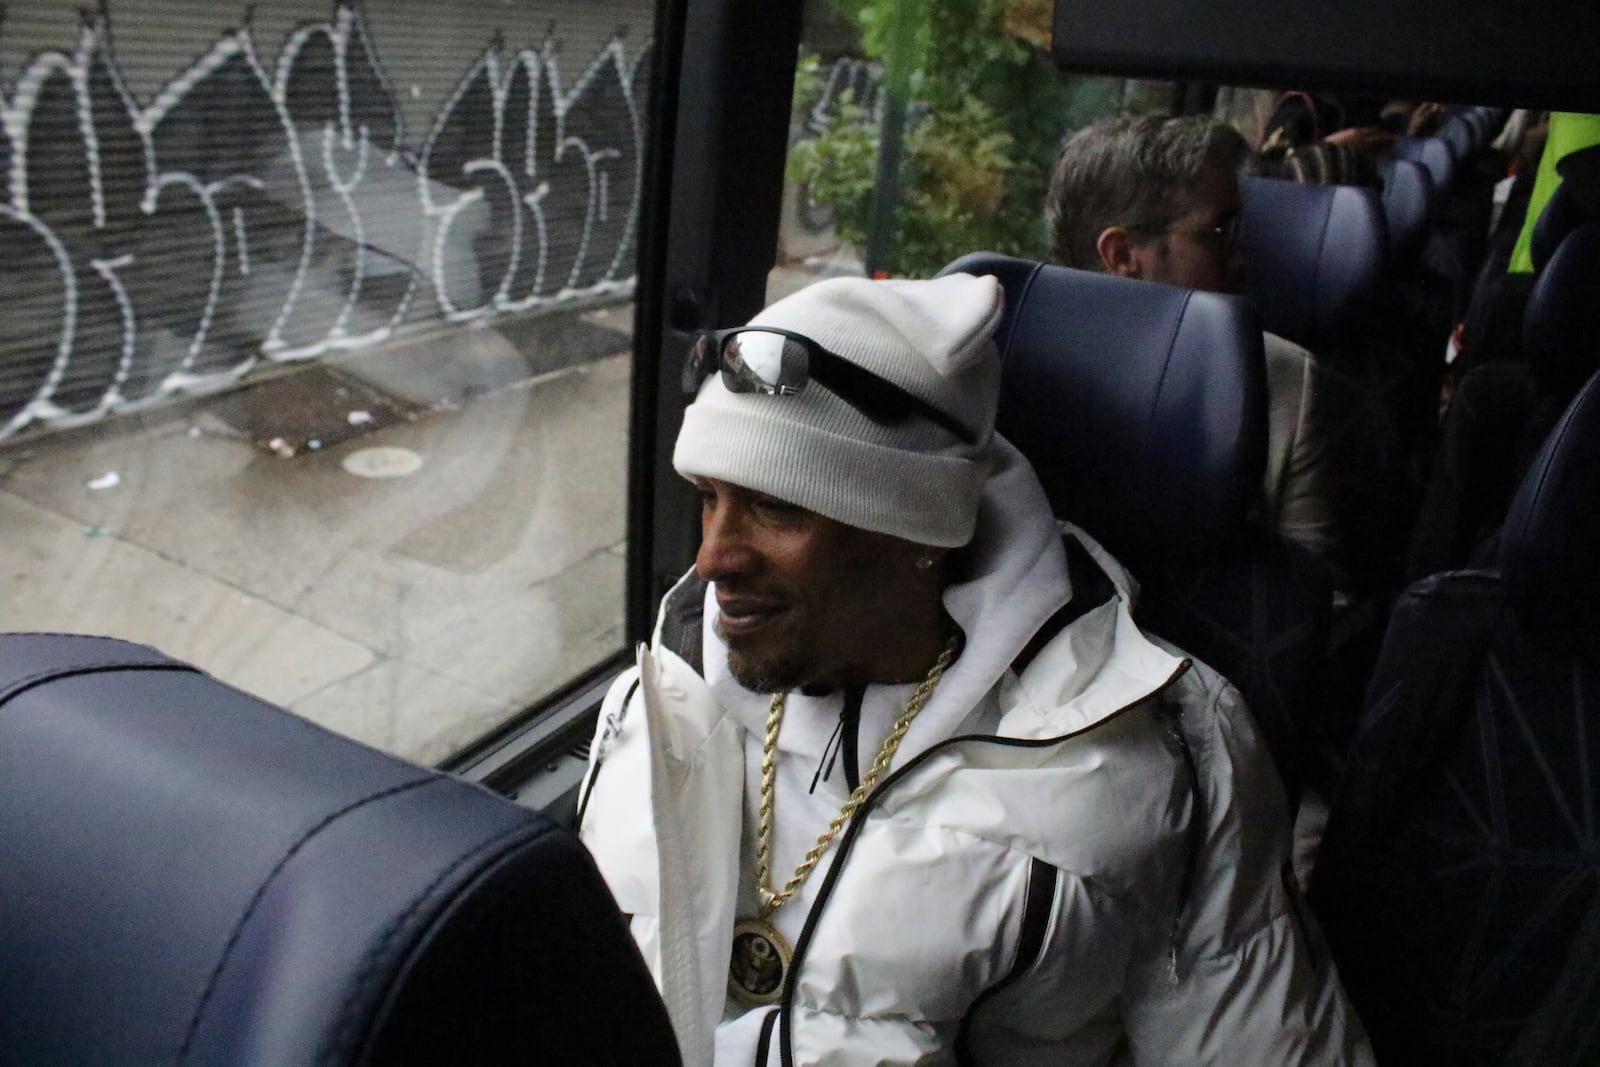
847,840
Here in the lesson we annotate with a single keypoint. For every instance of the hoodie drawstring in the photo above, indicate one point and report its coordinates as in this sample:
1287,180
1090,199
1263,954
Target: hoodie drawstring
845,737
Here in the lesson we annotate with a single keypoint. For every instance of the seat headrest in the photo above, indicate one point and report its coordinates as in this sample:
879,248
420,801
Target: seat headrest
1141,406
1460,137
1561,325
1547,546
1561,215
1491,119
1314,256
192,875
1476,120
1433,154
1407,207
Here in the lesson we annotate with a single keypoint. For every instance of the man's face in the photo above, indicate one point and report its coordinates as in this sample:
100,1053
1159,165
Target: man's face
803,600
1192,253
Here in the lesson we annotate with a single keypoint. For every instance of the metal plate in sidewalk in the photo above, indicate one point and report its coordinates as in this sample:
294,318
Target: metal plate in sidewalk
310,409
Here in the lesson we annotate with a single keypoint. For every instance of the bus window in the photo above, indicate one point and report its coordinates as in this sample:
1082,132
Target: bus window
315,367
920,134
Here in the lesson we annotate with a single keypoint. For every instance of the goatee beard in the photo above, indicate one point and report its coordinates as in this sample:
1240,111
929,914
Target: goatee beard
775,675
764,678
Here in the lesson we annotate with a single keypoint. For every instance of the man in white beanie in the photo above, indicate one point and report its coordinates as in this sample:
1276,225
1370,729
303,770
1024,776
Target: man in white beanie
898,780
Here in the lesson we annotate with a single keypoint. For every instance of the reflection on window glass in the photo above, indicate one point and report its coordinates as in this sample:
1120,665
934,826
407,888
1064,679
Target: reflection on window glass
922,132
314,366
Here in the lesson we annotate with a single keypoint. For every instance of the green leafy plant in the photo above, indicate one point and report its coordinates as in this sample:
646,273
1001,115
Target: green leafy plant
836,163
988,114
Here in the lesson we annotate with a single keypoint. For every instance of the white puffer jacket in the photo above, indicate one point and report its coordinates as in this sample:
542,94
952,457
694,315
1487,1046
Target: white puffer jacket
1082,863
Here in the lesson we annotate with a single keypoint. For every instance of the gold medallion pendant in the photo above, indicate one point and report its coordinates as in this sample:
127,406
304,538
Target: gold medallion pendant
760,962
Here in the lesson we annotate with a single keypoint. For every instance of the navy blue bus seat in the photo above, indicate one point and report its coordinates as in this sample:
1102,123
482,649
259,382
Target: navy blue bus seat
1461,136
1502,411
1435,157
1474,121
1459,878
1407,205
1561,215
1561,327
1143,409
189,875
1575,202
1314,257
1493,325
1463,206
1488,120
1418,302
1316,267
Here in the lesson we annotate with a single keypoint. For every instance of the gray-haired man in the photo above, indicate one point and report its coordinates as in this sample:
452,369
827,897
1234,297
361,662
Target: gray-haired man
1158,200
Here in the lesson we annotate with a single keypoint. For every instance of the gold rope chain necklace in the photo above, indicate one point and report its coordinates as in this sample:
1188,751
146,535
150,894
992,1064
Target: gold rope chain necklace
761,955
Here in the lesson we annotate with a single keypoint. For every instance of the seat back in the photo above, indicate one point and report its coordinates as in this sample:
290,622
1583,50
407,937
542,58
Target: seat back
1434,155
192,876
1561,215
1561,326
1473,118
1461,136
1502,411
1489,120
1457,876
1476,469
1547,552
1143,409
1407,206
1315,261
1314,257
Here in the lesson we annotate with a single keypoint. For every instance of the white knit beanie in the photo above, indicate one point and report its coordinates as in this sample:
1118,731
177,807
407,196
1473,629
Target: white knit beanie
915,479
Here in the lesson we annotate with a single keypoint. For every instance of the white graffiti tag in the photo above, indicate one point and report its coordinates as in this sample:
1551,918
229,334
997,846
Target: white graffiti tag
551,184
149,250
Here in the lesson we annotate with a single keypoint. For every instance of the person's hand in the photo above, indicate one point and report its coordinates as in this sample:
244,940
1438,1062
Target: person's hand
1372,139
1425,119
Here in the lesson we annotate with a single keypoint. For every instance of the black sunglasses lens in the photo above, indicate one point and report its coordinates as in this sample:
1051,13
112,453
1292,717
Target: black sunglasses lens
760,361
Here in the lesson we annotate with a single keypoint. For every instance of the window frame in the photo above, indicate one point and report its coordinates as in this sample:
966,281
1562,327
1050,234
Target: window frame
717,142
